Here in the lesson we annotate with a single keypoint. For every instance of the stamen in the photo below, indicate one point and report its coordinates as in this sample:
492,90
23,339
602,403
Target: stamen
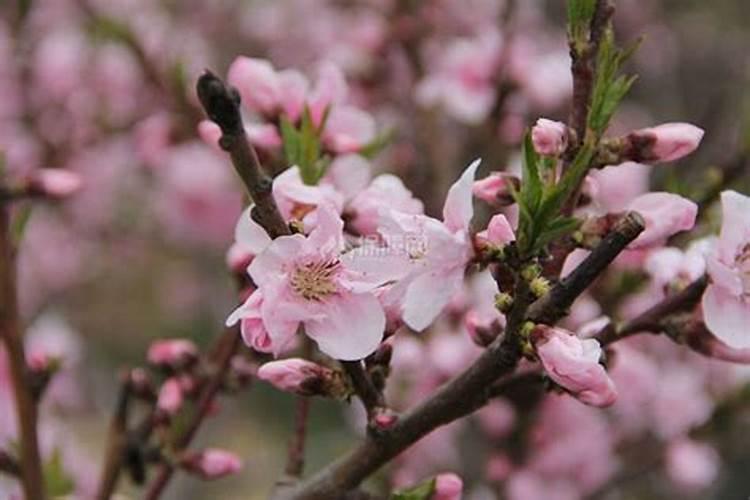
315,280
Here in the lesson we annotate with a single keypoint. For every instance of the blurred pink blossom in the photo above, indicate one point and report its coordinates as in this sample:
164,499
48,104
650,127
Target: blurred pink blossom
665,214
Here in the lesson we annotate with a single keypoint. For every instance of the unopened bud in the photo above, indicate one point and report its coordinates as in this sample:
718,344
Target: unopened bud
170,397
663,143
503,302
539,286
172,353
496,189
297,376
212,463
550,138
141,385
54,183
448,486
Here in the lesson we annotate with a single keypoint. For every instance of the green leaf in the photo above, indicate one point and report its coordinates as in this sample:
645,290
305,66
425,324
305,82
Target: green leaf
19,223
377,145
291,140
557,228
58,482
531,189
423,491
580,13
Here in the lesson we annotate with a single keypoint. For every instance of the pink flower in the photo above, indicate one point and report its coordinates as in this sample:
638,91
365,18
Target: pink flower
212,463
170,396
726,303
671,141
250,239
550,138
299,201
305,281
691,465
55,182
257,83
448,486
665,214
172,352
292,375
616,186
434,253
348,129
330,89
498,232
349,174
252,329
574,364
384,192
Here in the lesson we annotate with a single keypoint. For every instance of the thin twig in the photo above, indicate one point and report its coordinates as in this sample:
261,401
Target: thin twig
370,396
651,321
296,457
117,440
230,342
10,331
222,105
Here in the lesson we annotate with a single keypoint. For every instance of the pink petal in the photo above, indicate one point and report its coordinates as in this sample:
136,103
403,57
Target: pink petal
351,329
459,209
249,234
428,295
735,226
271,264
349,129
349,174
666,214
331,88
727,316
257,83
293,88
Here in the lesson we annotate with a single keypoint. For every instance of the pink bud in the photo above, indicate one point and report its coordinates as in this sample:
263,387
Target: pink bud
665,214
496,189
499,233
574,364
170,396
448,486
257,83
212,463
39,361
384,418
172,352
667,142
55,182
292,375
550,138
691,465
264,136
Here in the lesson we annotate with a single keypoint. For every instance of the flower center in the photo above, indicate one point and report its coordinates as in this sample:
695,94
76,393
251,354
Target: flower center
315,280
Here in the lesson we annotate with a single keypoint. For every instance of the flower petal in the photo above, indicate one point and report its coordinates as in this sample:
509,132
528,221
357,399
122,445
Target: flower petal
428,294
459,209
727,316
735,226
351,329
249,234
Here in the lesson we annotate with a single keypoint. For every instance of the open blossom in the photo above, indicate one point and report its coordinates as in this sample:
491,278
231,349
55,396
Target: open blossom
549,137
212,463
299,201
435,253
385,192
667,142
250,239
305,281
665,214
574,364
726,303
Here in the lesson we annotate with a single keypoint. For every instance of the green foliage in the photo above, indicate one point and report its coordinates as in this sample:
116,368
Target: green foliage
610,87
580,13
423,491
377,145
540,204
57,481
302,148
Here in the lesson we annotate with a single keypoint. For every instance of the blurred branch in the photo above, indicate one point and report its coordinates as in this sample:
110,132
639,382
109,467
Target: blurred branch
651,321
229,343
116,441
32,477
370,396
9,465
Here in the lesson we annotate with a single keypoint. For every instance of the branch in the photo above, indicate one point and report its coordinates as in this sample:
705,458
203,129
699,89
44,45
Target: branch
10,330
222,105
555,305
117,440
370,396
9,465
652,320
583,70
229,343
296,457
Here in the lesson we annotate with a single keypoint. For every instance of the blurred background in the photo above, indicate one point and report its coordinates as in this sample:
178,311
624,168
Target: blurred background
105,88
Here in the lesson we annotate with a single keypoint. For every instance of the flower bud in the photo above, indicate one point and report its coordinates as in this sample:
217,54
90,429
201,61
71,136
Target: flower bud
296,375
54,183
498,232
212,463
172,353
141,385
170,397
550,138
665,215
664,143
448,486
384,419
496,189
